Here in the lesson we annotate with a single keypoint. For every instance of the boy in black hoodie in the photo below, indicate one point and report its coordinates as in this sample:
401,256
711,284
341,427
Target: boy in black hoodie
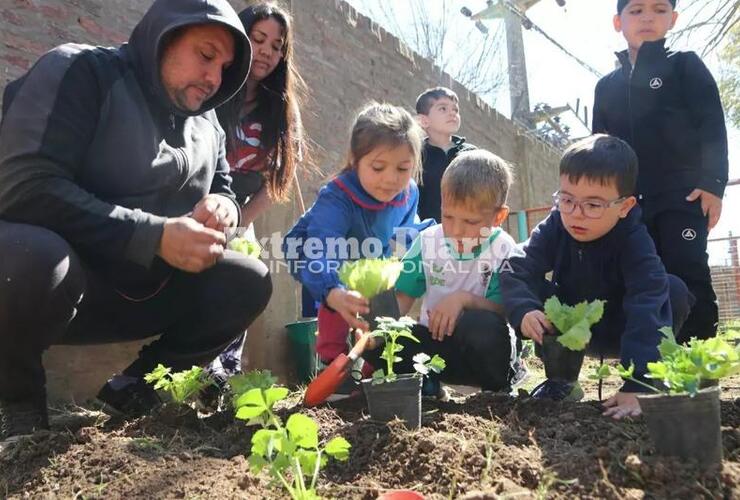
439,115
666,105
596,247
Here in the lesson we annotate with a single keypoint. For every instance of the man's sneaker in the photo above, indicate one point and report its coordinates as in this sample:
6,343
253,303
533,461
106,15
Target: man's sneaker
558,390
130,396
19,418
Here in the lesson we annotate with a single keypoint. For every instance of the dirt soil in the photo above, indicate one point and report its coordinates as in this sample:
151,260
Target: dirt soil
479,446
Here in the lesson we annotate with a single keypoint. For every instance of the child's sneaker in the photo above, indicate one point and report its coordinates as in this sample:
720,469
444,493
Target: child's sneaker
521,373
558,390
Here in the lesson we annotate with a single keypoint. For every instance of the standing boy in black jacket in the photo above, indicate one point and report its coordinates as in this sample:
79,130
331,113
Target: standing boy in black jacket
439,115
596,247
666,105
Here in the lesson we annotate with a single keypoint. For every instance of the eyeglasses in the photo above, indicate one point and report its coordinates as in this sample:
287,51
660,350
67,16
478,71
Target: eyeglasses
590,208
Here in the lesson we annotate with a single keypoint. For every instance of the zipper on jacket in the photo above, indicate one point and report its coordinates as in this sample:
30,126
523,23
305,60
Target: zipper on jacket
172,121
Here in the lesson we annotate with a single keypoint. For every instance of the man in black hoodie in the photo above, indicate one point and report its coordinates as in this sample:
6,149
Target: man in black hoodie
114,200
666,105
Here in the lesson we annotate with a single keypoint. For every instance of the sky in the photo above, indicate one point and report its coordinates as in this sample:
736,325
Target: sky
585,28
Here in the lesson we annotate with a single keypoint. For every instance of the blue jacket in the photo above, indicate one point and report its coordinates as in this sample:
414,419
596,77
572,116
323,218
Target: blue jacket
344,210
622,267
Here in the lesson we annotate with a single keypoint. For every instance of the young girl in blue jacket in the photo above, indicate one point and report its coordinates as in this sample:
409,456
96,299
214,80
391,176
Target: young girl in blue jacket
355,216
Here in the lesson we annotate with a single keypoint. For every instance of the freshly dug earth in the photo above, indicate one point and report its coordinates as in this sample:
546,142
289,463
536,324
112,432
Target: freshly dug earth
481,446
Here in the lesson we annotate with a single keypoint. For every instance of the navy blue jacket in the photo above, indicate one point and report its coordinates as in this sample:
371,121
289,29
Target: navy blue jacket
668,109
621,267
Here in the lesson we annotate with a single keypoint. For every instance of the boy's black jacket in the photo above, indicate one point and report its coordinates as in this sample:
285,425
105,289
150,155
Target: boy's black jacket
434,163
621,267
668,109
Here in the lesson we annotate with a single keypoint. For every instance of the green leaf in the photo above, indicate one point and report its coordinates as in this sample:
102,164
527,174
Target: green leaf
253,397
249,412
603,371
275,394
303,431
261,442
246,247
370,277
256,463
437,364
307,459
577,337
338,448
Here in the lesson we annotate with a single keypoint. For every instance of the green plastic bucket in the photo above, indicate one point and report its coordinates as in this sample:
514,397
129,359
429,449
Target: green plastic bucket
302,335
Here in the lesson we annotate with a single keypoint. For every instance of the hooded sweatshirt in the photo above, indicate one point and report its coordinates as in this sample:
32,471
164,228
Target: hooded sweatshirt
91,146
316,246
622,267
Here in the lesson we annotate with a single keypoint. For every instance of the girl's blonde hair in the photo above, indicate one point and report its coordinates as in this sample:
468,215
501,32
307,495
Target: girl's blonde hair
384,125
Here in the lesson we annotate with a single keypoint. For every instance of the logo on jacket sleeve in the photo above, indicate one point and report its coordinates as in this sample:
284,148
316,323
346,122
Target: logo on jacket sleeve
656,83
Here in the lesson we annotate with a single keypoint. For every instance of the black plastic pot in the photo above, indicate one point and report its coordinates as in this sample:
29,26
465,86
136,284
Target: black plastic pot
383,304
684,426
400,398
561,363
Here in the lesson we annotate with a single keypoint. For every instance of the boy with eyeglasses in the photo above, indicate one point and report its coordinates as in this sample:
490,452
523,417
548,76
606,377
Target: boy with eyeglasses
596,247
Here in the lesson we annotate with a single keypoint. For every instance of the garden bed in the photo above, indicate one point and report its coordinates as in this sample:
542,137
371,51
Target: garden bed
485,443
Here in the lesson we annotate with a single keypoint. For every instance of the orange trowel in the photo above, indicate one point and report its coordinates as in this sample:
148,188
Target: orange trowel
326,383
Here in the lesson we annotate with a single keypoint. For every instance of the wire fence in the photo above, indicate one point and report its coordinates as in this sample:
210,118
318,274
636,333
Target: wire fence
724,260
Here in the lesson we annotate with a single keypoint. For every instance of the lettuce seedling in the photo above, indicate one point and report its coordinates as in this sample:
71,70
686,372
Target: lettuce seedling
574,322
683,367
291,451
391,330
182,386
245,246
370,277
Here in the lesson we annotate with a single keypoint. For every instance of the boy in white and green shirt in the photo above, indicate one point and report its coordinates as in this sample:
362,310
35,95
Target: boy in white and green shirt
454,268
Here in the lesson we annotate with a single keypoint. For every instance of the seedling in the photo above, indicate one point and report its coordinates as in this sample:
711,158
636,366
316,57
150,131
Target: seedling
245,246
244,382
574,322
683,368
182,386
370,277
391,330
291,451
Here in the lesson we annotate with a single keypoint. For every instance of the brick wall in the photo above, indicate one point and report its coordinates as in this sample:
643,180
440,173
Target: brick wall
346,60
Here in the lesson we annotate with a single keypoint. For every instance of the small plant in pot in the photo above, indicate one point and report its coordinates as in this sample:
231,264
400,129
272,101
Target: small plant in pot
390,395
373,279
683,411
563,353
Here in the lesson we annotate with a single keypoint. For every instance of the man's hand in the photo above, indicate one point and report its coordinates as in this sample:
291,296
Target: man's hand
349,304
711,205
443,318
190,246
535,324
217,212
622,404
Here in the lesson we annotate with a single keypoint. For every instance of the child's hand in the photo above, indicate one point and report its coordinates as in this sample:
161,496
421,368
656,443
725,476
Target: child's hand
622,404
443,318
535,324
349,304
711,205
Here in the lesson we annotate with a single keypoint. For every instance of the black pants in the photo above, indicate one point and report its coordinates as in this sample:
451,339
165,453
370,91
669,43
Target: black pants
48,295
478,353
680,232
